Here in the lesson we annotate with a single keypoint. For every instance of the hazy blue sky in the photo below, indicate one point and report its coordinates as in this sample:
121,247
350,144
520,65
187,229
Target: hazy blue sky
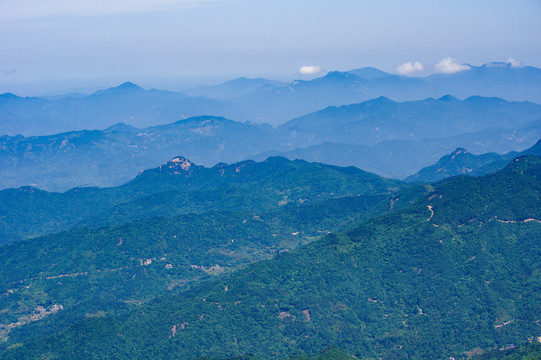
64,45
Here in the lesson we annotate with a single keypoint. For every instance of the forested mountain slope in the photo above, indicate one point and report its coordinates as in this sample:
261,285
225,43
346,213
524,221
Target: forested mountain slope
462,162
180,186
457,270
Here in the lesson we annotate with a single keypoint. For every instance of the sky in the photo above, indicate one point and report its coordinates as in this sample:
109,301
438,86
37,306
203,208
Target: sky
60,46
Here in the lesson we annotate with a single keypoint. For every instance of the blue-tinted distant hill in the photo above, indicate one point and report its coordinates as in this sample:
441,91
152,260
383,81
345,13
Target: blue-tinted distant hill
371,73
127,103
402,158
495,79
233,89
257,100
394,139
118,153
382,119
492,79
276,104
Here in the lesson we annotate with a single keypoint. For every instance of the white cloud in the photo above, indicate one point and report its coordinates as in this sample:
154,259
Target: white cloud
449,66
310,70
515,63
37,9
409,68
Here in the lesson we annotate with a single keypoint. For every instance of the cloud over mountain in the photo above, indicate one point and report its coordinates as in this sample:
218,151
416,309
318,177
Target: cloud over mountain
449,65
310,70
515,62
409,68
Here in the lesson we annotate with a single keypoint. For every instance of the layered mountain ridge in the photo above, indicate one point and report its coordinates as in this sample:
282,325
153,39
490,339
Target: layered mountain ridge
256,100
234,221
390,138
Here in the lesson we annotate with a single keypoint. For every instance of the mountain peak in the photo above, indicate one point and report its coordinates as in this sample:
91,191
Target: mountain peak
246,81
202,120
370,73
380,100
129,86
125,88
459,151
448,98
338,75
179,163
120,127
8,95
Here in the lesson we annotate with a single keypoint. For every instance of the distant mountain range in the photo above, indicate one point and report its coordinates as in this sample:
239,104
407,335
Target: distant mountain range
390,138
233,89
118,153
402,158
451,273
127,103
381,119
278,104
255,100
